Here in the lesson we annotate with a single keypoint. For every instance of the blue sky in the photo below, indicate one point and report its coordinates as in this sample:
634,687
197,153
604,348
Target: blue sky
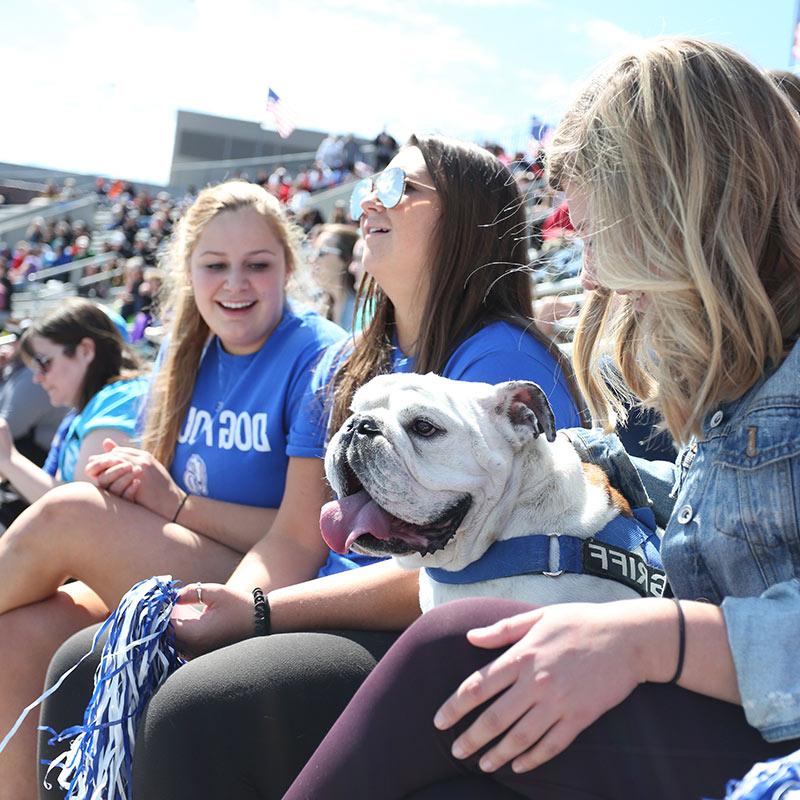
98,82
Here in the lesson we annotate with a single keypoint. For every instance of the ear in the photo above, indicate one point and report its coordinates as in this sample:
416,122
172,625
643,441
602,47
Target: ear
524,406
86,349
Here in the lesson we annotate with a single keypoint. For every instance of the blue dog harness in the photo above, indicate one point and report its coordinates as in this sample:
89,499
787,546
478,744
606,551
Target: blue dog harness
608,554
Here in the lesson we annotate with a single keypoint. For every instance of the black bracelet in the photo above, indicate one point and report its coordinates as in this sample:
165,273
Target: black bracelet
261,622
681,641
180,507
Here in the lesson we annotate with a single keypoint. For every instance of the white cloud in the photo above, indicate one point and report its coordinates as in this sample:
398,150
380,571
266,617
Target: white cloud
104,78
606,38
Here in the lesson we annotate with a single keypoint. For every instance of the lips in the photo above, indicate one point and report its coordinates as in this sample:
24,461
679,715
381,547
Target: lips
371,227
242,305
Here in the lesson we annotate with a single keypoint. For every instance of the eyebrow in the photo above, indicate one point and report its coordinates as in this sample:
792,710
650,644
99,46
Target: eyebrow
225,255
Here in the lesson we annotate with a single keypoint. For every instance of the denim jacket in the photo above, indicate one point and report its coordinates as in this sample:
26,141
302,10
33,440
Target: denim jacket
734,539
733,533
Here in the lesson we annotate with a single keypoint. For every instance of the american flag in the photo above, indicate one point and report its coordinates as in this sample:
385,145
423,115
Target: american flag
283,121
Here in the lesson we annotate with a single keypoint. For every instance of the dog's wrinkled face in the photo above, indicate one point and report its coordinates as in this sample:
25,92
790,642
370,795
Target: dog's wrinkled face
423,459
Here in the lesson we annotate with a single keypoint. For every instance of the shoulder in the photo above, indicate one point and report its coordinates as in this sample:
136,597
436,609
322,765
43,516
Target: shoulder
501,335
306,326
118,393
503,342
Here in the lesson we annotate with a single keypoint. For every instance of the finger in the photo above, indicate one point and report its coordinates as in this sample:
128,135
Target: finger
112,473
130,493
475,690
556,740
188,593
109,444
520,736
97,464
120,485
505,632
492,722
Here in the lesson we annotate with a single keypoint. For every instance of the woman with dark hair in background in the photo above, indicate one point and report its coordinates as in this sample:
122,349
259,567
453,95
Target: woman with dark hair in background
331,254
77,355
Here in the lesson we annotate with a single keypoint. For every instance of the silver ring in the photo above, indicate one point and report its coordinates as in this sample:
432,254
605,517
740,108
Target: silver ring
198,587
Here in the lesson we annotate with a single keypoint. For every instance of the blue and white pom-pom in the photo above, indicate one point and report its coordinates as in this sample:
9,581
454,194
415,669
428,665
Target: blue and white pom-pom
778,779
137,658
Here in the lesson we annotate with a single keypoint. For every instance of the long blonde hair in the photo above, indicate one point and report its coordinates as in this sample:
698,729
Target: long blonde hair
688,158
172,390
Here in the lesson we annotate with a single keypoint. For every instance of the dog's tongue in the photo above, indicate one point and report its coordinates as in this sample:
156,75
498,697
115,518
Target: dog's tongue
343,521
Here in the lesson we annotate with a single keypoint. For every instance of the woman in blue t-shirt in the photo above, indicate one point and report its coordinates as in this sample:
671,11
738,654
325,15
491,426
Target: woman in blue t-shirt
216,471
442,230
77,355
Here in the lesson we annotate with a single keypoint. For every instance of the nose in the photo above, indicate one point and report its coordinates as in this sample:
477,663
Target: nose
236,277
371,202
367,426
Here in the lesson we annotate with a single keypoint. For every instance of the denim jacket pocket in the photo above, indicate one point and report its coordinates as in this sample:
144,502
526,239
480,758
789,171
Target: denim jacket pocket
759,461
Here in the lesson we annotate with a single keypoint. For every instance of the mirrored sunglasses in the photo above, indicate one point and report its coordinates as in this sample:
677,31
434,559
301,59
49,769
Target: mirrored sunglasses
388,185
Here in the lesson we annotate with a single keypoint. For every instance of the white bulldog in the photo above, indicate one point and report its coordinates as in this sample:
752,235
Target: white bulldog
434,472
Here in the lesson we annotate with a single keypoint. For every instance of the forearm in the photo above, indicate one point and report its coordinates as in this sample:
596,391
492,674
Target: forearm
378,597
708,664
232,524
28,479
279,559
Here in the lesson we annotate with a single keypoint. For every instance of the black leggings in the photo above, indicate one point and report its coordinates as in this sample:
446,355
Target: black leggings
239,722
662,743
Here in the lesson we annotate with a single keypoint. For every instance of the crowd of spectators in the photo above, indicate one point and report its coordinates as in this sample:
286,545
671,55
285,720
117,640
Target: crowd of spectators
133,226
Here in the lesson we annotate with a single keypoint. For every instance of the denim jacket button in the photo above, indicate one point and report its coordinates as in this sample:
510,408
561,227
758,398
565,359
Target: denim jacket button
684,514
716,419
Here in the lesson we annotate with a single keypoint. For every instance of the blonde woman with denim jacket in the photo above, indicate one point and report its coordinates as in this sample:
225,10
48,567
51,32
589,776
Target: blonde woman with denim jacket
680,162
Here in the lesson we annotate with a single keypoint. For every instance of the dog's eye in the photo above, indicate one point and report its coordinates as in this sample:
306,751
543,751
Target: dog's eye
422,427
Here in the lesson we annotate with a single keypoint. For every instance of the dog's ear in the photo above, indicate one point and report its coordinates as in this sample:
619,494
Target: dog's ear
525,407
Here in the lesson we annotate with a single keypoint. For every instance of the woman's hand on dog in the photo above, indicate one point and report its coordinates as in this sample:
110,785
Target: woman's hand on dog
566,666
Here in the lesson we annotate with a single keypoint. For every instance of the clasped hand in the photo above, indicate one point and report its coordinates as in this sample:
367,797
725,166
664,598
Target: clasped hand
566,666
135,476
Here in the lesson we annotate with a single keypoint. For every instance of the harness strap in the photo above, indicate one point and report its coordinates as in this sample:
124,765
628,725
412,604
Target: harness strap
608,554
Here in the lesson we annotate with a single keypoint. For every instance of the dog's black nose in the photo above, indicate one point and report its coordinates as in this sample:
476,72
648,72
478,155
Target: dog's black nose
366,426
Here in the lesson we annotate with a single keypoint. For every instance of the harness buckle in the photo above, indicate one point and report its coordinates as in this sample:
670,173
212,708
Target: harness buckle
554,557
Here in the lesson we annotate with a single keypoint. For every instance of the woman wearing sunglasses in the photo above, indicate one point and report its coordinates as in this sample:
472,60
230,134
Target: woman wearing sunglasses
441,227
331,253
680,165
77,355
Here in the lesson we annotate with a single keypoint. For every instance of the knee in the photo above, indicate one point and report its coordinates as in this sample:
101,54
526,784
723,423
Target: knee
71,507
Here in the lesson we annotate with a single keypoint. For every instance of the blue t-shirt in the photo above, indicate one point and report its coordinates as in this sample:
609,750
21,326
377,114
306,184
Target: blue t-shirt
237,436
50,465
496,353
114,406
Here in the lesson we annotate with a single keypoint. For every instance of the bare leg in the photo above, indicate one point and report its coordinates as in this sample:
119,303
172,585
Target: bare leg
28,638
78,531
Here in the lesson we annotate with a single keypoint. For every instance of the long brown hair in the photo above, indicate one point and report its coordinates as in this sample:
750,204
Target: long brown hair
688,158
172,390
477,273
